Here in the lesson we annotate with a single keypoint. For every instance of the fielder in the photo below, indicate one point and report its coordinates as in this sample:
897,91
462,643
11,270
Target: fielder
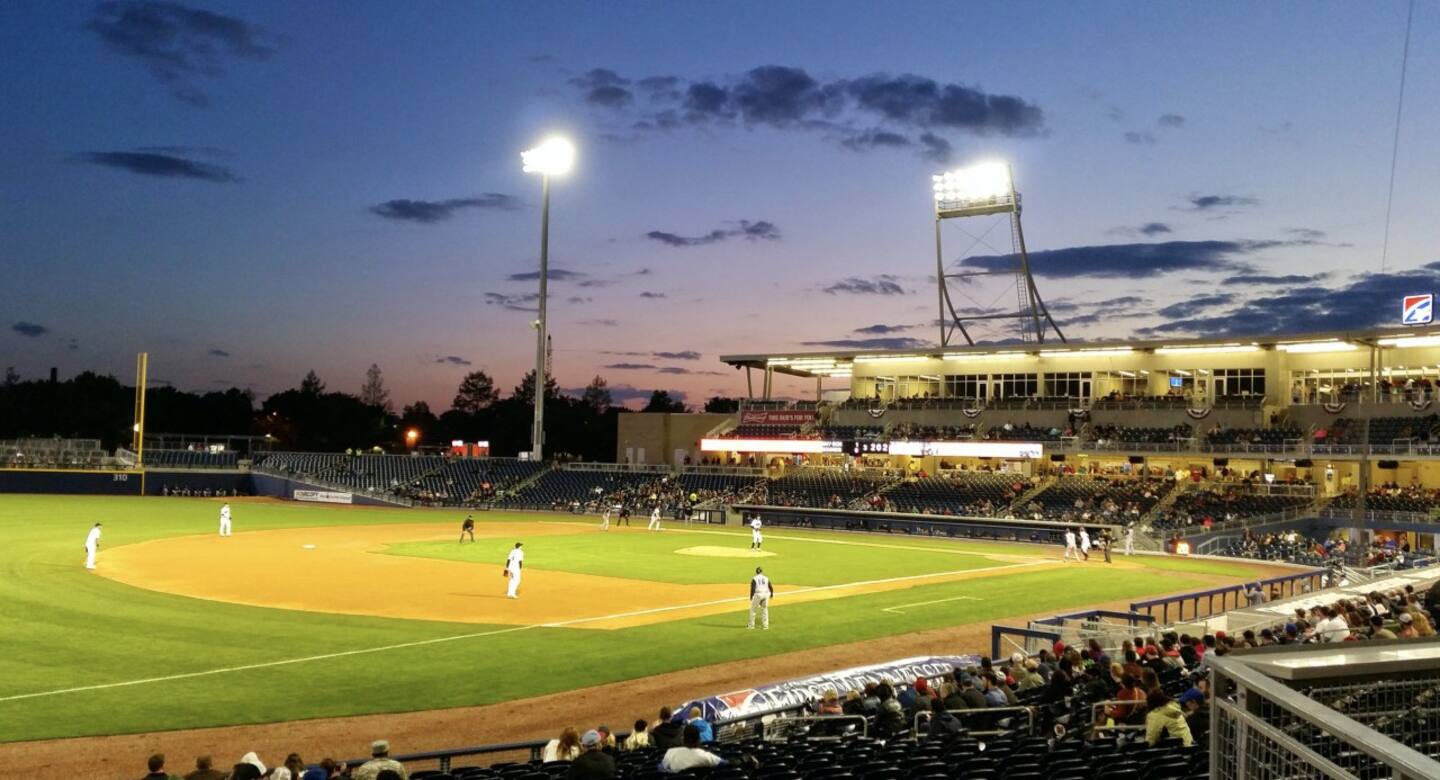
605,518
92,544
1129,540
225,519
467,527
1071,551
513,563
760,593
1084,542
654,519
756,538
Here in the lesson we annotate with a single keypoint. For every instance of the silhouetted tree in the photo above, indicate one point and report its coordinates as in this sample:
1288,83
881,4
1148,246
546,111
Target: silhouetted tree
477,391
660,401
722,405
311,384
373,392
597,394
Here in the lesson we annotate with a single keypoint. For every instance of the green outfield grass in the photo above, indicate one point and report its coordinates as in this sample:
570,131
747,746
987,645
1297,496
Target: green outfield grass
64,628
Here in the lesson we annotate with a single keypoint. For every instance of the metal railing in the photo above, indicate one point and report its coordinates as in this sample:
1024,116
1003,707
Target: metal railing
1101,722
815,727
1230,597
989,717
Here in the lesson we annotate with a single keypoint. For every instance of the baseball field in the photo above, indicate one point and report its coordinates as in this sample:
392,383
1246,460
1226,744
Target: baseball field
313,611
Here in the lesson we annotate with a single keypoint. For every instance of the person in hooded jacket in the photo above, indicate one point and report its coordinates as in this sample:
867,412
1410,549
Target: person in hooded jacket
1164,718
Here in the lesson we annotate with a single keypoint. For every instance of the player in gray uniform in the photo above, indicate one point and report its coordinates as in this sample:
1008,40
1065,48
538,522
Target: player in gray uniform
756,538
761,592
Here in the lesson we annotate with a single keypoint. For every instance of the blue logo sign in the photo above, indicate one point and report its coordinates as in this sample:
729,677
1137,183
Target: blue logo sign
1418,309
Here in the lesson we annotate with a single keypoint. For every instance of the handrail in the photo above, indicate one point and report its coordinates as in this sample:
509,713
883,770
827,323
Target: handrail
989,712
791,720
1165,602
444,756
1097,723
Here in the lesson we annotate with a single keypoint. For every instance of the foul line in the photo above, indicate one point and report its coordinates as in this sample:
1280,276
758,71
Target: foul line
482,634
899,609
746,534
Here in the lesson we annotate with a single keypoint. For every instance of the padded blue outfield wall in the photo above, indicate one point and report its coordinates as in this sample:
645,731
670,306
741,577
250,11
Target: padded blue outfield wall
75,482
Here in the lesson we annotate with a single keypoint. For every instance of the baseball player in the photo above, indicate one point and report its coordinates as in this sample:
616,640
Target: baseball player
225,519
624,515
760,593
755,536
1084,543
92,544
1070,550
654,519
605,518
467,527
1129,539
1105,544
513,563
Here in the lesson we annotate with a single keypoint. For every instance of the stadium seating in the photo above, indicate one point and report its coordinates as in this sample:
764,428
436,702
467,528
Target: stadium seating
1133,435
976,494
189,459
52,453
1392,500
827,489
1101,497
1264,437
1221,505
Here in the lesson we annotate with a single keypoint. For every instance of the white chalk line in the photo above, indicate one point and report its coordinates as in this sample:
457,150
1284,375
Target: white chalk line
899,609
482,634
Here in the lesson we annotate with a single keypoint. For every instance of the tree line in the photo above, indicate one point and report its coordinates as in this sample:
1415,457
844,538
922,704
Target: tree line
311,417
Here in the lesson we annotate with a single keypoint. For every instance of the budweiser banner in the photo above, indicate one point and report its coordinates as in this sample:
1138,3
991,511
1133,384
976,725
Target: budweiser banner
787,417
752,703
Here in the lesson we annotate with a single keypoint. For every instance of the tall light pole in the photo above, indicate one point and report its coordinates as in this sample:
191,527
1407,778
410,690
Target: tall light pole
553,157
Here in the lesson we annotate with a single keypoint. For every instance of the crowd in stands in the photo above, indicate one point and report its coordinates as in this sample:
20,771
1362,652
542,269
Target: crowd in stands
203,492
1098,499
1275,436
192,459
1106,435
1027,432
1391,497
1212,507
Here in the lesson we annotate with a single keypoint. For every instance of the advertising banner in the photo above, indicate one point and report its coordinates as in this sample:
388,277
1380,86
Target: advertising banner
323,496
776,417
778,697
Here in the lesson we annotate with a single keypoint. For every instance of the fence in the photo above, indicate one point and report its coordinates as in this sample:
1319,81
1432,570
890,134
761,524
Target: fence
989,722
1230,597
1359,728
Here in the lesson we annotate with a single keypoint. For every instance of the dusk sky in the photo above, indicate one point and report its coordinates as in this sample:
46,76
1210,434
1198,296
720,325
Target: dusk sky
252,190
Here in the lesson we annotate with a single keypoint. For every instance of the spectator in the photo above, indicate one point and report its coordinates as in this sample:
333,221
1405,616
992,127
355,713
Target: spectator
607,739
1378,629
923,695
890,721
1030,677
329,768
639,738
994,697
1163,718
1129,691
564,748
593,763
1197,714
666,733
830,703
205,770
853,705
380,760
157,768
972,697
690,755
707,734
253,760
245,771
943,725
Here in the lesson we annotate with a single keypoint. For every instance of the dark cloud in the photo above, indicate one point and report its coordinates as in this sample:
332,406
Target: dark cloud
431,211
1140,137
575,300
29,329
846,110
604,87
1194,305
624,394
1309,234
1133,261
1365,301
452,360
1171,120
541,59
1147,229
880,330
688,354
220,353
652,295
758,230
554,275
1211,202
1095,312
186,151
688,371
180,46
162,165
1259,280
601,323
521,302
899,342
595,283
884,284
629,366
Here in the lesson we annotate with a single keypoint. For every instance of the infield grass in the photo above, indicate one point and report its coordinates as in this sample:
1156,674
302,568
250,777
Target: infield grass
169,662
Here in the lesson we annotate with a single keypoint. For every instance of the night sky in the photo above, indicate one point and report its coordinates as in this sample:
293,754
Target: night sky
252,190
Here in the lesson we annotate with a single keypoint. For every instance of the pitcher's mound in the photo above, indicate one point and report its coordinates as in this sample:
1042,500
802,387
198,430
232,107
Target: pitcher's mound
724,552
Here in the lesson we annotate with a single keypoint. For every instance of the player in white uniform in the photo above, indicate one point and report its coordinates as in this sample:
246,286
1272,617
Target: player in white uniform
1129,540
654,519
760,593
605,518
513,563
755,536
225,519
1085,543
1070,550
92,543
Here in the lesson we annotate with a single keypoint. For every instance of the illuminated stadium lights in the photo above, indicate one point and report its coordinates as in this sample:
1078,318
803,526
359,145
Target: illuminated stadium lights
553,157
1411,341
1107,352
1303,347
1214,349
890,358
985,355
984,183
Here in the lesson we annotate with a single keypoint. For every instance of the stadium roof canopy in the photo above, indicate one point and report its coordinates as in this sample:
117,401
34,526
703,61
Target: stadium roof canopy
810,364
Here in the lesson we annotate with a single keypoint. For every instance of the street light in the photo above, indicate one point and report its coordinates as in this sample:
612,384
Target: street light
553,157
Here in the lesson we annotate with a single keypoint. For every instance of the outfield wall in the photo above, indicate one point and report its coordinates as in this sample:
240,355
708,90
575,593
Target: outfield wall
1001,529
72,481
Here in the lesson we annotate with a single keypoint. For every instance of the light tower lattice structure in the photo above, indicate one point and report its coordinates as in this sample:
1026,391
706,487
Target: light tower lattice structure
984,190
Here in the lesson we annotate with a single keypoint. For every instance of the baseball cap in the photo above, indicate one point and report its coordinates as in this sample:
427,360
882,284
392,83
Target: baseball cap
1193,694
380,746
591,738
1405,617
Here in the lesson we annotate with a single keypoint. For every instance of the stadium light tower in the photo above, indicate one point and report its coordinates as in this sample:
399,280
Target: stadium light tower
982,190
553,157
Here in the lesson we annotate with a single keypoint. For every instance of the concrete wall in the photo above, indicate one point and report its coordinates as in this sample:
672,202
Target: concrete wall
105,483
653,438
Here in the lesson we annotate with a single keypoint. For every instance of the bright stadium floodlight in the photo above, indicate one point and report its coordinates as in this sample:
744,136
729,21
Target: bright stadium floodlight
981,188
555,156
